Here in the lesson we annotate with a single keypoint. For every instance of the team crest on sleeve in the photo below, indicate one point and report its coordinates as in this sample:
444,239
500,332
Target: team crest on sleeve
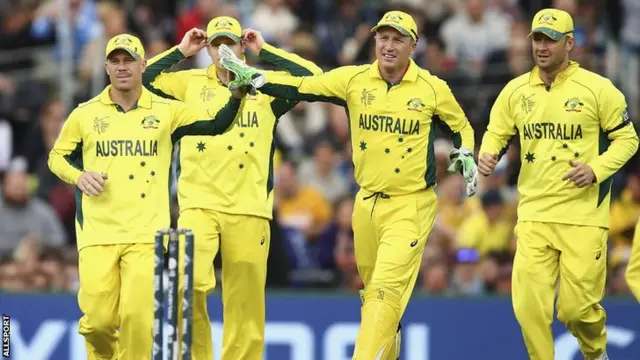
625,116
527,103
150,122
367,97
416,104
100,125
573,105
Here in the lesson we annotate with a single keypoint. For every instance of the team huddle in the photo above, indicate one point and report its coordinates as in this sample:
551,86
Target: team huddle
118,147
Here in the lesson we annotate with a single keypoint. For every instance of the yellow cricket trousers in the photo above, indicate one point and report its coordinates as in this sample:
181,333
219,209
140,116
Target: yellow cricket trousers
576,257
632,274
390,233
116,291
243,241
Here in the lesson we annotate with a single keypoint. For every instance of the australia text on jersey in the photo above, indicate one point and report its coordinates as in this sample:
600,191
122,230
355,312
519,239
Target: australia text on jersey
549,130
388,124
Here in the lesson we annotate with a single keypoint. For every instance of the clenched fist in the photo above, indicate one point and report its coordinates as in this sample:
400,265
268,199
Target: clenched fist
91,183
487,163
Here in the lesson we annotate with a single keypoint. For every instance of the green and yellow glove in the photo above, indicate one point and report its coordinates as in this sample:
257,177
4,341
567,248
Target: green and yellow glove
245,75
462,162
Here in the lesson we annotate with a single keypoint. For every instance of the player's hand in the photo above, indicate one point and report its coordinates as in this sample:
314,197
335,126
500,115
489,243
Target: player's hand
253,40
238,90
192,42
582,174
91,183
487,163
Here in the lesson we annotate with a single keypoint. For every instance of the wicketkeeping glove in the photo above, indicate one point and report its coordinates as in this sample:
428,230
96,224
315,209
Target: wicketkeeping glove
462,162
245,75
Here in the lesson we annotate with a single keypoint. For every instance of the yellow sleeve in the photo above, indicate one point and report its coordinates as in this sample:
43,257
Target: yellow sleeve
166,84
291,63
328,87
451,114
632,274
187,121
65,158
619,141
501,127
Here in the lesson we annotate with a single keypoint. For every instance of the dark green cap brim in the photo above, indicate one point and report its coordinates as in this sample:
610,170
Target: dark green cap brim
131,52
552,34
400,29
231,36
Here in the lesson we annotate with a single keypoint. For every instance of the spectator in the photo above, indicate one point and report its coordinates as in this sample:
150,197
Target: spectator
84,24
473,34
452,209
303,213
625,212
487,229
275,32
341,233
435,279
23,217
322,173
467,280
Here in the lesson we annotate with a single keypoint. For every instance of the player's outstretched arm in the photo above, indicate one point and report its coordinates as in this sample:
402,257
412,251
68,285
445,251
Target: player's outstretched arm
188,122
293,64
622,136
501,129
328,87
173,85
632,274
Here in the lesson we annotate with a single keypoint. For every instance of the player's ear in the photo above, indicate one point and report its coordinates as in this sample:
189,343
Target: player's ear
143,64
569,44
106,69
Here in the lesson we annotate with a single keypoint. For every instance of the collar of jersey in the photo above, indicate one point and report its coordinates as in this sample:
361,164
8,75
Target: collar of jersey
212,74
144,100
535,79
410,75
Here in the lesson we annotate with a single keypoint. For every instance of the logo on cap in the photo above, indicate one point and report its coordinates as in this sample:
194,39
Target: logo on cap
393,18
223,24
547,18
123,40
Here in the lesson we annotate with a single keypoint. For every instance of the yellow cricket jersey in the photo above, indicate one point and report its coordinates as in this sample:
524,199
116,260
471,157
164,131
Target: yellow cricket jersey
134,149
391,125
232,173
580,117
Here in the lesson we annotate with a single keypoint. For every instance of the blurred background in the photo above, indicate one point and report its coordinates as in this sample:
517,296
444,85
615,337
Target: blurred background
51,59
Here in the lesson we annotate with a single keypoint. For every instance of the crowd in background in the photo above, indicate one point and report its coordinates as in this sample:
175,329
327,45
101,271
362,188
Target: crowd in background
477,46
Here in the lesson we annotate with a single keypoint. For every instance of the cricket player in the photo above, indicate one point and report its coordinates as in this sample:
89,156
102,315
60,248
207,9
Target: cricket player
116,148
574,133
225,185
393,106
632,274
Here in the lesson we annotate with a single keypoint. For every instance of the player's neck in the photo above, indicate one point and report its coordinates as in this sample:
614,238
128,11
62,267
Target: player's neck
394,75
223,75
548,77
125,99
